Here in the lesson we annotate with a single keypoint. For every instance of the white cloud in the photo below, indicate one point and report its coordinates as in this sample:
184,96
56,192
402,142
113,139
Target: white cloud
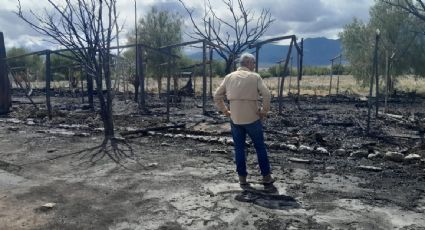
304,18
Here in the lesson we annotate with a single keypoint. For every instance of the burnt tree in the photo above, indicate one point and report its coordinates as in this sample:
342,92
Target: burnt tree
5,89
85,28
234,34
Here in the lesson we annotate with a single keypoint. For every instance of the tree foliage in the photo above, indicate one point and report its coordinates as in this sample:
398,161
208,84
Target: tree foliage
357,42
413,53
276,70
398,42
157,29
33,63
62,67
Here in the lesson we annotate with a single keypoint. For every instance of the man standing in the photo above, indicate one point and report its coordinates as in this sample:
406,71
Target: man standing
242,89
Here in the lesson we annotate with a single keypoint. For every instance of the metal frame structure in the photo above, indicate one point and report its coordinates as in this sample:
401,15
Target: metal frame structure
331,74
166,50
300,54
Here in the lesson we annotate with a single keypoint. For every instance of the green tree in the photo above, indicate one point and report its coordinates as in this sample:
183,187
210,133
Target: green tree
398,43
158,29
411,56
62,67
219,68
277,70
357,42
32,65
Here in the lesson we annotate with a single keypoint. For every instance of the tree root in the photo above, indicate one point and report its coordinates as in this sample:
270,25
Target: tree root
116,149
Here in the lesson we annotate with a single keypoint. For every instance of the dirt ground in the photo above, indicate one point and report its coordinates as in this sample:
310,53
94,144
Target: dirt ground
332,174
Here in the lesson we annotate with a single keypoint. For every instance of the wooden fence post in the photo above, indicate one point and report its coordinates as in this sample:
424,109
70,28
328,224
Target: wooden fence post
48,77
204,77
141,77
300,68
5,89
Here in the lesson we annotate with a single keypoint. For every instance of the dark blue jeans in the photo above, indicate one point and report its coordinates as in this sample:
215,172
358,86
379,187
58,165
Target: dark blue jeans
255,132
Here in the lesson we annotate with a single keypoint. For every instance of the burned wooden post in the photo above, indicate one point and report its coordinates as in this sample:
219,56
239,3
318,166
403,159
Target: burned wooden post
282,79
332,72
387,71
339,73
136,80
82,84
90,88
376,76
194,81
175,83
300,67
168,85
330,75
257,51
140,77
285,67
204,77
298,79
48,80
279,72
290,75
5,87
211,56
374,73
387,78
137,76
211,72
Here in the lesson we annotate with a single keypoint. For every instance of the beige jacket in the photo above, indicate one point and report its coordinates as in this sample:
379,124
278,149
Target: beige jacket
243,88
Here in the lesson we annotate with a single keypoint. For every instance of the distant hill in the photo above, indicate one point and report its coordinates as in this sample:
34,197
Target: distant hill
317,52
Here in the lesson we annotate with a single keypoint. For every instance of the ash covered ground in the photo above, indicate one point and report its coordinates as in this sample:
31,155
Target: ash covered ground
184,177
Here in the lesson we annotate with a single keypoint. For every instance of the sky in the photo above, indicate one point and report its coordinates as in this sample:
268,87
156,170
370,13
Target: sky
304,18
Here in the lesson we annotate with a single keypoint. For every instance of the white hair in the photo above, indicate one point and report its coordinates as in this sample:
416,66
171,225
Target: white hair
246,58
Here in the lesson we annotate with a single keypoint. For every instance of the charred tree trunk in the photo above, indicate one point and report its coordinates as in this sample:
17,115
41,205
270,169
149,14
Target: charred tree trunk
89,79
136,83
159,80
105,102
175,84
141,76
108,121
5,89
229,65
82,84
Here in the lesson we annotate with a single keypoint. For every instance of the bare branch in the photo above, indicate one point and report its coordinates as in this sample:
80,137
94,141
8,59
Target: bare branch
234,34
418,10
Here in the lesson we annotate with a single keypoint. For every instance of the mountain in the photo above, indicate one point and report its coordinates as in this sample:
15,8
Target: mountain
317,52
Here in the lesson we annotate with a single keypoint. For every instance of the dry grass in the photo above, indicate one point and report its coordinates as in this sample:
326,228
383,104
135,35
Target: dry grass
311,85
317,85
410,84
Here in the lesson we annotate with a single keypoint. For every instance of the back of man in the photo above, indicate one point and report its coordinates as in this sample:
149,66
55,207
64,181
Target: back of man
242,89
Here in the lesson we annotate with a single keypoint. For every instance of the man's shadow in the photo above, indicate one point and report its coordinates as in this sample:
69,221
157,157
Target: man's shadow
267,196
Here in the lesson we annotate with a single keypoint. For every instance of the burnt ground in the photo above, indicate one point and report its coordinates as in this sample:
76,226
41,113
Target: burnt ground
184,178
